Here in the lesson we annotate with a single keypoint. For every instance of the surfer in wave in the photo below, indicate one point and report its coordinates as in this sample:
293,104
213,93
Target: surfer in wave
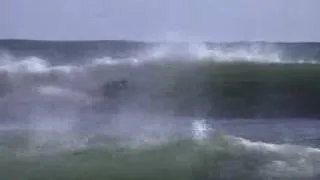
110,96
113,89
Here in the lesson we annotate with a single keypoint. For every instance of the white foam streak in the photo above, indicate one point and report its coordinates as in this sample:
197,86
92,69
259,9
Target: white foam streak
243,55
282,160
50,90
104,61
29,65
34,65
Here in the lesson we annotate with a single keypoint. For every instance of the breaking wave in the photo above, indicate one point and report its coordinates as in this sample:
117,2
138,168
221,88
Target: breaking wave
190,112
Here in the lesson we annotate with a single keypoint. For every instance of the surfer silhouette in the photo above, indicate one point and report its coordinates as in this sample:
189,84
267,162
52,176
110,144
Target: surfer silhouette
111,96
5,85
114,89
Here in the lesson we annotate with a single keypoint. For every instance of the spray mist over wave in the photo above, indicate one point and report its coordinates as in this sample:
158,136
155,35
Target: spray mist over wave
203,52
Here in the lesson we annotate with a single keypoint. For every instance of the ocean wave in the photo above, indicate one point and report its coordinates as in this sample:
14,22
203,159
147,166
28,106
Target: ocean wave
181,85
185,114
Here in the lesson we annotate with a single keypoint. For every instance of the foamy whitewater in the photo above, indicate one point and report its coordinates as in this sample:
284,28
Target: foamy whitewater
56,125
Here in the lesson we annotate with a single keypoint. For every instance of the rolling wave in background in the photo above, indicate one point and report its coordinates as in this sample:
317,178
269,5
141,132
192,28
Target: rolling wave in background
191,111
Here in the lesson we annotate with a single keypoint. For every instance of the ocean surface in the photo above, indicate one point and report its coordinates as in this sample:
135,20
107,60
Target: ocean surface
191,111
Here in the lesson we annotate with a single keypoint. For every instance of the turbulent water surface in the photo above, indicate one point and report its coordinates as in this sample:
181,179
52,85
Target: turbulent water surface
190,111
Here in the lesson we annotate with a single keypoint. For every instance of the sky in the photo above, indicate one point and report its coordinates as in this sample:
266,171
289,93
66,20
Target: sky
158,20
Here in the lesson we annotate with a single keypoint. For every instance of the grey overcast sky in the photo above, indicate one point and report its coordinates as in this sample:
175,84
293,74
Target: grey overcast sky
192,20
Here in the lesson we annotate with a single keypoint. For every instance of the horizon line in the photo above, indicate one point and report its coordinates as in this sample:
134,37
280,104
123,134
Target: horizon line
149,41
